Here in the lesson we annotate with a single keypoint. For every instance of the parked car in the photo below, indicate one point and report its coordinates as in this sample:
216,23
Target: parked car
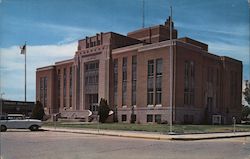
18,121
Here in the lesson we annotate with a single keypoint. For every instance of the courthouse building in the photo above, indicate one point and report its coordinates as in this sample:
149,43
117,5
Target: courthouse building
133,73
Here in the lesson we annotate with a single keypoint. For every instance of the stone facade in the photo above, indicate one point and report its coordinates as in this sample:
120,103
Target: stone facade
133,73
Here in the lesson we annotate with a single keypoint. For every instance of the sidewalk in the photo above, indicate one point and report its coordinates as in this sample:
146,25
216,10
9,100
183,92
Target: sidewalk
148,135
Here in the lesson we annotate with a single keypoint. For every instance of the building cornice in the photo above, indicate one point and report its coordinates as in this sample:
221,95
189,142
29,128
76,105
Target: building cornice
64,61
45,68
127,48
156,45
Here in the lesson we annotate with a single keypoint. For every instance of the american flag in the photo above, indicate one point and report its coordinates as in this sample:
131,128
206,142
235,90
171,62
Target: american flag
23,49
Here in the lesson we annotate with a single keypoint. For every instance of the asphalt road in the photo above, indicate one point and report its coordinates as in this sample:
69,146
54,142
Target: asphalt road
16,144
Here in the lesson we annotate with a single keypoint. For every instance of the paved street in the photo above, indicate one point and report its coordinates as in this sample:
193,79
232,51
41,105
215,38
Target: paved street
23,144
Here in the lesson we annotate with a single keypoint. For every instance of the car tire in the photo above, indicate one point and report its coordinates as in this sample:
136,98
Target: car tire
3,128
34,127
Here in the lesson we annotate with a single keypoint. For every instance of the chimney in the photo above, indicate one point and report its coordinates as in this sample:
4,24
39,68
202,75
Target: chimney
167,23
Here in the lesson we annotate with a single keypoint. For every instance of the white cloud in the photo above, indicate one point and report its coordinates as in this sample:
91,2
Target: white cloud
240,30
66,33
12,66
235,51
69,33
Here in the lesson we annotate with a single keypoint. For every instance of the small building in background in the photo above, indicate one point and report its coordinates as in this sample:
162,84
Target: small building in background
17,107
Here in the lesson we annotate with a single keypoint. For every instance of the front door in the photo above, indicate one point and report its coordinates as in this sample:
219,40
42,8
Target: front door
93,103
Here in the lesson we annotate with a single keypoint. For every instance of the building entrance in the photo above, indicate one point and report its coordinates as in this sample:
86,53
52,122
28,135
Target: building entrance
93,102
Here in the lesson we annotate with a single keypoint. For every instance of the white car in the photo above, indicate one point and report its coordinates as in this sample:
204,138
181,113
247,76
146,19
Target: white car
18,121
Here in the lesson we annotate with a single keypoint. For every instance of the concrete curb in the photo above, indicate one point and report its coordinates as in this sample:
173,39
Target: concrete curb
142,136
209,137
154,136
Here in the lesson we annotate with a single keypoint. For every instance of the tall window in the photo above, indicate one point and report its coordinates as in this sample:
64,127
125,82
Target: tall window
64,86
70,86
59,87
91,77
150,83
124,81
189,78
43,90
134,73
158,85
233,88
210,75
115,80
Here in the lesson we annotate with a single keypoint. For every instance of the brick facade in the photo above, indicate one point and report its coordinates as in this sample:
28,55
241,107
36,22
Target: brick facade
204,84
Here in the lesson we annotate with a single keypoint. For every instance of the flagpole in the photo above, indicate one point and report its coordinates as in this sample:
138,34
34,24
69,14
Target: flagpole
171,75
25,85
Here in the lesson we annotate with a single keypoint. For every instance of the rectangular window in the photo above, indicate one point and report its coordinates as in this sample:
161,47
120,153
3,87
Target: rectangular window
233,88
134,74
42,90
124,117
158,97
124,81
159,67
115,80
150,98
64,86
151,68
124,93
133,92
59,87
158,81
70,86
189,82
150,83
149,118
212,75
217,77
91,73
45,91
124,69
158,118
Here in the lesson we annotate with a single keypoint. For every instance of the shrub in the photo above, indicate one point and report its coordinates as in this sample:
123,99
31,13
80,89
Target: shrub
103,110
38,111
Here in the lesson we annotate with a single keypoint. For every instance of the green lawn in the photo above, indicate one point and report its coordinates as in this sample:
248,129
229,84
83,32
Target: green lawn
155,127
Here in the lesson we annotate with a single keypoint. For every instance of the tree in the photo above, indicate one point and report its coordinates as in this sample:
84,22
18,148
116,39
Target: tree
103,110
246,92
245,111
38,111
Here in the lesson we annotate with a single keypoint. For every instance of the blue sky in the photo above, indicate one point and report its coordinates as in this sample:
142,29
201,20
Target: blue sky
52,28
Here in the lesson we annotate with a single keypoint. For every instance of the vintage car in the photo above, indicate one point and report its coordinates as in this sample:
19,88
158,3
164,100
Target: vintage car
18,121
